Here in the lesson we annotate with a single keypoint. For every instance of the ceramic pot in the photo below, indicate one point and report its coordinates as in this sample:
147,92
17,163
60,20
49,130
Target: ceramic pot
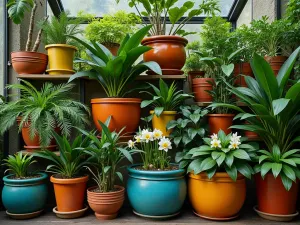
69,193
161,122
112,47
24,196
250,134
106,205
61,58
124,112
218,198
201,86
156,193
220,122
273,198
192,75
276,62
168,51
242,69
29,62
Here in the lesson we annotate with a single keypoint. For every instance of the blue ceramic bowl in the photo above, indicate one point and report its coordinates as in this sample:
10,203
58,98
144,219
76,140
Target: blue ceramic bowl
156,193
26,195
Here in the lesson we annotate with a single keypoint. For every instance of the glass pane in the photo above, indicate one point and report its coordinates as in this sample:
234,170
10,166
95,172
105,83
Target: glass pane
2,33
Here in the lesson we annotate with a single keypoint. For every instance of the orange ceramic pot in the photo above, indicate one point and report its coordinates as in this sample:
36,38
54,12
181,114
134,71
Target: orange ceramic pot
201,86
242,69
29,62
168,51
112,47
162,121
217,198
106,205
124,112
192,75
220,122
276,62
69,193
273,198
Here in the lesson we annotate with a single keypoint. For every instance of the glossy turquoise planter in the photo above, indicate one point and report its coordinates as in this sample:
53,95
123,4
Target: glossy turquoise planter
156,194
26,195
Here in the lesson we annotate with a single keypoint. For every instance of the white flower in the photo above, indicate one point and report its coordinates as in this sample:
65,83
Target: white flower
214,137
215,143
138,138
235,137
131,144
234,144
147,135
165,144
157,134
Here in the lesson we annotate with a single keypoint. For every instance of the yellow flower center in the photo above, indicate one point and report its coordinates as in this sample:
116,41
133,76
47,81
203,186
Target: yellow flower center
147,136
165,145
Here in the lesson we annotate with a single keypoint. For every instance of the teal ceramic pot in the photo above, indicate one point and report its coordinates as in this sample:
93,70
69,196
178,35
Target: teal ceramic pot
156,193
25,195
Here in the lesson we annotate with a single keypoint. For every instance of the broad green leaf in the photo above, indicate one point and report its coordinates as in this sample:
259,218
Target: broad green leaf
265,168
227,69
289,172
287,183
195,118
279,105
221,159
232,172
241,154
276,169
176,13
158,111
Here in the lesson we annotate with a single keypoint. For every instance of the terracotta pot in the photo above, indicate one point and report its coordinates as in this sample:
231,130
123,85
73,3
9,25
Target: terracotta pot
61,58
192,75
106,205
244,69
276,62
124,112
217,198
168,51
29,62
220,122
250,134
273,198
200,88
112,47
162,121
69,193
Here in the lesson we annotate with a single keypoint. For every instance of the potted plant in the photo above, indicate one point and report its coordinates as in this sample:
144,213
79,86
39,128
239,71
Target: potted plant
156,188
165,101
58,43
274,117
68,180
111,29
168,46
29,61
218,166
106,198
115,75
24,194
39,113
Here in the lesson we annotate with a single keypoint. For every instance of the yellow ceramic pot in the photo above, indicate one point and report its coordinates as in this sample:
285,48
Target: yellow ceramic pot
161,122
217,198
60,58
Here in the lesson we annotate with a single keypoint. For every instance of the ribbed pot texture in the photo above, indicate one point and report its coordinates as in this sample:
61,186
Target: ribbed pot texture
201,86
242,69
276,62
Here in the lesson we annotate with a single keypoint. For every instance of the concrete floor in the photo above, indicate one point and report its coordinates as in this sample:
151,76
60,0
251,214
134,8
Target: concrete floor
247,216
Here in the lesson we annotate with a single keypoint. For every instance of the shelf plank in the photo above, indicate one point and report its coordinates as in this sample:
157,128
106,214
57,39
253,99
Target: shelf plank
203,103
26,152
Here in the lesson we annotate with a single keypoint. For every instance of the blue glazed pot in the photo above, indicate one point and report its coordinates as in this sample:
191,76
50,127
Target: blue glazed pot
156,193
26,195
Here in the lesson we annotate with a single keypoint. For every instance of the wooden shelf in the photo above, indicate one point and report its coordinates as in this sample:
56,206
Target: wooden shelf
208,103
26,152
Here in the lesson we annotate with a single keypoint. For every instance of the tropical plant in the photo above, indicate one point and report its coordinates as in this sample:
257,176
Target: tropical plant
193,62
157,13
70,161
165,98
18,165
188,131
111,29
16,11
153,147
220,153
115,74
105,155
59,29
43,110
274,113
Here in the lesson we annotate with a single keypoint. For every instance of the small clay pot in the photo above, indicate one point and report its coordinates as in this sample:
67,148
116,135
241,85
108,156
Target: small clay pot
112,47
242,69
106,205
276,62
201,86
220,122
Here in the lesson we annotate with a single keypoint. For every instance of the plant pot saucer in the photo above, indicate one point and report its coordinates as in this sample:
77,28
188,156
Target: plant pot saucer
38,148
216,218
275,217
70,215
106,217
166,72
156,217
24,216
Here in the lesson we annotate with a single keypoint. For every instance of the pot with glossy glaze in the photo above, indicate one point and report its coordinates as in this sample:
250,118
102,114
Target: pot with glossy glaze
220,122
162,121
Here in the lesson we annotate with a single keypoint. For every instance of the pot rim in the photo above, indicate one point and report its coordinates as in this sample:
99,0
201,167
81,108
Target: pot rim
61,45
220,115
282,57
69,180
202,80
195,72
153,39
116,100
25,182
105,193
110,44
31,52
222,175
165,112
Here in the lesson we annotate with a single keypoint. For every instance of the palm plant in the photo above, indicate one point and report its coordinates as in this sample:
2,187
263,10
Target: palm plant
18,165
274,116
165,98
43,110
115,73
